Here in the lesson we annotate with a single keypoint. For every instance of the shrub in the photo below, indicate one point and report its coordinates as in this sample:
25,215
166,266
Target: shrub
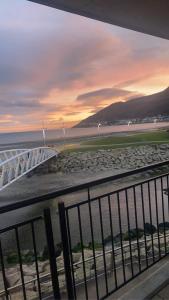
149,229
133,234
163,226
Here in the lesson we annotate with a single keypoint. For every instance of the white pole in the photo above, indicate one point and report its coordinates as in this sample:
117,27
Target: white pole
64,131
44,136
98,127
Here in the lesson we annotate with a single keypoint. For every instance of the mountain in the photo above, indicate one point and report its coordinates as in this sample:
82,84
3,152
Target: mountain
138,108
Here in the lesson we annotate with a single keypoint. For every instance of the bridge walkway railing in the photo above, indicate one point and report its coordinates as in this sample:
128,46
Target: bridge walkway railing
16,163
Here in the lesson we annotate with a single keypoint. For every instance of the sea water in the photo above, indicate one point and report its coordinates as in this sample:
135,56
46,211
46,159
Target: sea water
35,138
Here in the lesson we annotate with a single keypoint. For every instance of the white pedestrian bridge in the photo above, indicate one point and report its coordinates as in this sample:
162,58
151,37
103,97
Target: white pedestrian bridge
16,163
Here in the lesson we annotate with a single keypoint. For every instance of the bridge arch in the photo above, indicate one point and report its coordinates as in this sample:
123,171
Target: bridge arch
16,163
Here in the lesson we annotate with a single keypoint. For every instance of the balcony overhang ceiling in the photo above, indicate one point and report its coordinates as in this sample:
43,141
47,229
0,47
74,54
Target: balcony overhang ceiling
147,16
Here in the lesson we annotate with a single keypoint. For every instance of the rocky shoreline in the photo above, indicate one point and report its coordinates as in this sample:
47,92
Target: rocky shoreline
114,159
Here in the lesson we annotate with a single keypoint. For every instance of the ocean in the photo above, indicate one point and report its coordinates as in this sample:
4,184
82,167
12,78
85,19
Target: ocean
59,136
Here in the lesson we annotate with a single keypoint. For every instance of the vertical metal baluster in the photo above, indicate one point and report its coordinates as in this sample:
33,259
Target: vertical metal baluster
149,200
36,260
51,251
157,217
121,241
168,197
83,257
102,237
92,236
168,193
3,273
143,211
128,225
112,240
71,255
162,197
66,251
136,220
20,262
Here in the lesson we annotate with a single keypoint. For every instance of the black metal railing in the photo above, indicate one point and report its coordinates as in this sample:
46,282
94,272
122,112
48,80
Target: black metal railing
108,236
132,220
19,290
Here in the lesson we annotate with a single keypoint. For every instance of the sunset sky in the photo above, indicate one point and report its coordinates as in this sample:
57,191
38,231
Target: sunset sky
60,68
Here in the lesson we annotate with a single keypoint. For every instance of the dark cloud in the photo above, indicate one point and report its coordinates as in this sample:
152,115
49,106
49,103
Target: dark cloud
128,83
34,64
38,64
73,113
20,104
94,111
98,96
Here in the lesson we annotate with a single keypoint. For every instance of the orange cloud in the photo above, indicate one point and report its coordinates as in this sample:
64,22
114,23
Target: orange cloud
65,67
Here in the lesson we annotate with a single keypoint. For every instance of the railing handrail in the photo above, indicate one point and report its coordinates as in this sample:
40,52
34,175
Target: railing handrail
11,150
76,188
22,149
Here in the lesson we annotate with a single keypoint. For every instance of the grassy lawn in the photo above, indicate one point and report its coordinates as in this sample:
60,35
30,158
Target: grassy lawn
154,136
151,137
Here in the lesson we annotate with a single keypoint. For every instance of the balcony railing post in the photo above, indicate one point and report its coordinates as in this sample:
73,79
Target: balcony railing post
66,251
52,256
